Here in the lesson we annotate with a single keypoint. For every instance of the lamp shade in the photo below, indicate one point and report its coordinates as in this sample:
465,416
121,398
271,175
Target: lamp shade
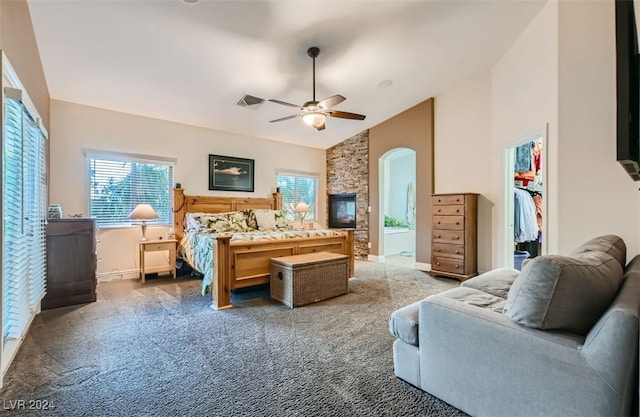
302,208
143,212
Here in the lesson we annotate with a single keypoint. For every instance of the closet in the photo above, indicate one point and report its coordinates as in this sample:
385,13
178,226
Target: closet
528,200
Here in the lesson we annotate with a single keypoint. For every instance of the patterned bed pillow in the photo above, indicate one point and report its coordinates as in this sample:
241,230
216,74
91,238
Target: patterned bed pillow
281,222
216,223
250,217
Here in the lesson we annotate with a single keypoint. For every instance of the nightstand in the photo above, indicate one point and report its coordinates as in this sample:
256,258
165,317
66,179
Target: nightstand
154,246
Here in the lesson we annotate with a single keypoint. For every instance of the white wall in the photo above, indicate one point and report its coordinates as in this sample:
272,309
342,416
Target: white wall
561,72
76,127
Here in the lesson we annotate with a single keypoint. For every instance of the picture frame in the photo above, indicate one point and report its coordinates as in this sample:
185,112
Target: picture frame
228,173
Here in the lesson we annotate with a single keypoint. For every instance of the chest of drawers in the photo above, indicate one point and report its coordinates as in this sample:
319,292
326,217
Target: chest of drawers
454,235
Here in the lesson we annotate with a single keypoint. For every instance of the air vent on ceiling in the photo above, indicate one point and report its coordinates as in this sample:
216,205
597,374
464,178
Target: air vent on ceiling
250,101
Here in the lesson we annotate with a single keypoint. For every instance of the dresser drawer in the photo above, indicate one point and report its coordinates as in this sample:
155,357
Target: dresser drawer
448,210
448,251
448,265
448,236
444,200
448,222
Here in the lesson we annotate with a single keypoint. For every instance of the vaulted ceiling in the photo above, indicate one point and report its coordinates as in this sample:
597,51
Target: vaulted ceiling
191,62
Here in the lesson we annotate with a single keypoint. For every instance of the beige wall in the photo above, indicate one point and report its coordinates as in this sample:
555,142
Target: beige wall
411,129
18,42
463,157
560,73
595,194
76,127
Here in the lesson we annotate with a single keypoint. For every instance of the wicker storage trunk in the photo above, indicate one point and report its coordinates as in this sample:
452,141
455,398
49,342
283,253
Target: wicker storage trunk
303,279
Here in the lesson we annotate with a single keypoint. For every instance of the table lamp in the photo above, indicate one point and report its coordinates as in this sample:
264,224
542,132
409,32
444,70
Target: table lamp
303,209
143,212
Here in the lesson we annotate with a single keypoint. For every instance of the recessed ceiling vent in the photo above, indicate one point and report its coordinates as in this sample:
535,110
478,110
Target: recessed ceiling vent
249,101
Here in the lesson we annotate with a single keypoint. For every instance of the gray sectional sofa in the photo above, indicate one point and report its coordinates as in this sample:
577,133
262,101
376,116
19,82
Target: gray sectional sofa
559,338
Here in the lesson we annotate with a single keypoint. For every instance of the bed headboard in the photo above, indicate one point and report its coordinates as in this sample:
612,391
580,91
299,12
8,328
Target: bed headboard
184,204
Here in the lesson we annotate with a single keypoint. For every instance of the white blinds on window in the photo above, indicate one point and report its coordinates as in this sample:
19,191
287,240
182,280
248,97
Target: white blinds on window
24,218
119,183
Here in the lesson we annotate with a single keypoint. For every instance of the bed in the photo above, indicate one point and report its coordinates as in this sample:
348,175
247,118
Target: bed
239,260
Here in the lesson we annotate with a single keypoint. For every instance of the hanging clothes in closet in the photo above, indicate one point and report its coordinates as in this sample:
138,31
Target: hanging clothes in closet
528,197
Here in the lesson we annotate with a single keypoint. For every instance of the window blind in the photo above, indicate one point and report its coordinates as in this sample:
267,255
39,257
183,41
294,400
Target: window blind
119,183
298,188
24,219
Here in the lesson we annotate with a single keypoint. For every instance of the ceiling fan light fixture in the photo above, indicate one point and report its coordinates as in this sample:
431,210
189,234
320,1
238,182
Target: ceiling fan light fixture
314,119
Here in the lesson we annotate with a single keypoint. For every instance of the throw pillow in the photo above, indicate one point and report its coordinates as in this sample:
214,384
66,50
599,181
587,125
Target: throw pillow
564,292
266,219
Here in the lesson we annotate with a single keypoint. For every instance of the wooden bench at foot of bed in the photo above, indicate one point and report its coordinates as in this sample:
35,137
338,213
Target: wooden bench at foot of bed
244,264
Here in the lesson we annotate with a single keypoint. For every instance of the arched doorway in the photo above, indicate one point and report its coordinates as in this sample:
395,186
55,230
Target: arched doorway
397,175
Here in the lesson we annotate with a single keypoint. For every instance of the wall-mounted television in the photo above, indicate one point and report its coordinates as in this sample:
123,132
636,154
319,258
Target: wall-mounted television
342,211
627,89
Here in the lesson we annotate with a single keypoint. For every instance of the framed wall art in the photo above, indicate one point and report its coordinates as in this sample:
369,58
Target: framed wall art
228,173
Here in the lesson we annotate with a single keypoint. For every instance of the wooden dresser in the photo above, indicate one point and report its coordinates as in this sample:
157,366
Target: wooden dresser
454,235
71,262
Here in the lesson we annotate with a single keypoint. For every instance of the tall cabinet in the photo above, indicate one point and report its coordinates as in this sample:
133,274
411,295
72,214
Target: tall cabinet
454,235
71,262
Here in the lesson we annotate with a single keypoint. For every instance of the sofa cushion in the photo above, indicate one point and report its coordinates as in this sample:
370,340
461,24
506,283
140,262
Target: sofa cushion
474,297
403,323
564,292
496,282
610,244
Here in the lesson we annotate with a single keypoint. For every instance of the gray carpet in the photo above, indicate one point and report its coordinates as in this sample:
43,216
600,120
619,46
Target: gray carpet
157,349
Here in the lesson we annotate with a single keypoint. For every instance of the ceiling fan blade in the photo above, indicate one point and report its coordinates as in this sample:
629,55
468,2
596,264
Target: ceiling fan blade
284,103
285,118
327,103
346,115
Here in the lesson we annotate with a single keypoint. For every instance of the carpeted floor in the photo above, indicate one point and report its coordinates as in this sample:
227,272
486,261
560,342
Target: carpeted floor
157,349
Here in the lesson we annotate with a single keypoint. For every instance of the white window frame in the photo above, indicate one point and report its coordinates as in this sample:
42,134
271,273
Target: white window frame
91,154
313,216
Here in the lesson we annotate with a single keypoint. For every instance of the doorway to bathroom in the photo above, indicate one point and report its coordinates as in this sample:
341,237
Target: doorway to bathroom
397,169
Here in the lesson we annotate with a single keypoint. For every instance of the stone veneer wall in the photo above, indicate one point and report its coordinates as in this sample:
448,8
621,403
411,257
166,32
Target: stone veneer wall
348,172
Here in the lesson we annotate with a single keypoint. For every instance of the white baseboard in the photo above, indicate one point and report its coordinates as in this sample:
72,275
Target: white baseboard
116,275
423,266
375,258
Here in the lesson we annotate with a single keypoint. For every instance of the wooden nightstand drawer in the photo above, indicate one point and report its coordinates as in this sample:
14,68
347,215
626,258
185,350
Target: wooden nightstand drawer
448,222
156,246
451,199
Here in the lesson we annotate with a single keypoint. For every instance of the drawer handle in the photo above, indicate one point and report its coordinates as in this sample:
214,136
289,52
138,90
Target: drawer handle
439,210
457,237
457,210
457,266
438,250
438,263
438,222
457,200
457,252
439,201
439,236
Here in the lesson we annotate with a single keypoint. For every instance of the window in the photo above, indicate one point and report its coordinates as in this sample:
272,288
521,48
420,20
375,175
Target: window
298,188
119,182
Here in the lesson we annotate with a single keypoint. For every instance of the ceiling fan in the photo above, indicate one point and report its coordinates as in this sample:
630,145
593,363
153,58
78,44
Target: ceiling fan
314,112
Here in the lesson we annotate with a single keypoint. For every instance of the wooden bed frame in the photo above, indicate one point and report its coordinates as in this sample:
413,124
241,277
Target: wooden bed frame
244,264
